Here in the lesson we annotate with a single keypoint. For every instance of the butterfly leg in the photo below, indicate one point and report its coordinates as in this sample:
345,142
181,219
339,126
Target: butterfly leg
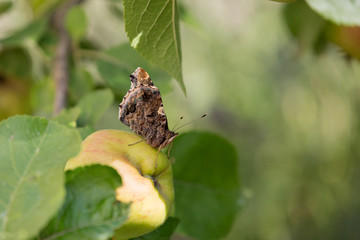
137,142
168,153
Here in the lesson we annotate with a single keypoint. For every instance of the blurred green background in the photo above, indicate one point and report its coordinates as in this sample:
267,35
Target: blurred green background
275,79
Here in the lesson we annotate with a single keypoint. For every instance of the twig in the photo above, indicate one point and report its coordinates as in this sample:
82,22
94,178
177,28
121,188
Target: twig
62,56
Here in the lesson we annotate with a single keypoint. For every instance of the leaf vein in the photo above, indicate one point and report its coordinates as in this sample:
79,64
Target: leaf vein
17,186
71,230
156,19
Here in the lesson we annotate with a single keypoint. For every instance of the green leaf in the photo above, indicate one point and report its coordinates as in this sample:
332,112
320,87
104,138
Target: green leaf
32,31
33,154
93,106
307,26
68,116
15,62
117,63
152,27
344,12
207,184
42,96
91,210
80,83
162,233
5,6
76,22
85,131
43,7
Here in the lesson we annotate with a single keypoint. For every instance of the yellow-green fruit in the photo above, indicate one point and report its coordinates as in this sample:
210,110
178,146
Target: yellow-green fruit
147,181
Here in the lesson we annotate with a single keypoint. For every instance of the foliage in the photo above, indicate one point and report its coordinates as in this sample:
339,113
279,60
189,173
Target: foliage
153,30
28,164
214,192
344,13
90,210
292,118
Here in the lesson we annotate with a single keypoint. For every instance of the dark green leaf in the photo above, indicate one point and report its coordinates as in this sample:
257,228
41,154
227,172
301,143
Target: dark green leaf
31,31
206,184
90,211
119,62
15,62
93,105
304,24
33,154
5,6
76,22
344,12
152,27
162,233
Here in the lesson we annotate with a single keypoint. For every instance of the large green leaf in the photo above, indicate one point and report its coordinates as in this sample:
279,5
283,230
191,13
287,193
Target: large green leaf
93,106
117,63
152,27
33,153
162,233
90,211
207,184
344,12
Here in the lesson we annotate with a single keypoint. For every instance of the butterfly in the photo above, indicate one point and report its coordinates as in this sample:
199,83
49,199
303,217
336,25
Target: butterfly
142,109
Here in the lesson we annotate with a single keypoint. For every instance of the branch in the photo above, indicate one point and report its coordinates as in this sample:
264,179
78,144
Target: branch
62,56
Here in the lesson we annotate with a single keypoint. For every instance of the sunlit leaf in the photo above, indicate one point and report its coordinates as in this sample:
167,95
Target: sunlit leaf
33,154
43,7
344,12
93,106
206,184
152,27
91,210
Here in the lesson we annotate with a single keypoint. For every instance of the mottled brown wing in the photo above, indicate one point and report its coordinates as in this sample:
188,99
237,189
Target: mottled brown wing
142,110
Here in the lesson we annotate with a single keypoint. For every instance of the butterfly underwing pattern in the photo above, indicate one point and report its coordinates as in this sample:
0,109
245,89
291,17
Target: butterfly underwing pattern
142,109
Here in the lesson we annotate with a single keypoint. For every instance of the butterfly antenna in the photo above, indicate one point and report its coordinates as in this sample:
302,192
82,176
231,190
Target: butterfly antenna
190,122
177,123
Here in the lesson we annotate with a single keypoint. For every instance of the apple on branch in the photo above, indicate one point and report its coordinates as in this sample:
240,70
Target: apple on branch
147,180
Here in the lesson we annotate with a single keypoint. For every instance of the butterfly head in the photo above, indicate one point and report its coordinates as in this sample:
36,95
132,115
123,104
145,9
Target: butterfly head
140,77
